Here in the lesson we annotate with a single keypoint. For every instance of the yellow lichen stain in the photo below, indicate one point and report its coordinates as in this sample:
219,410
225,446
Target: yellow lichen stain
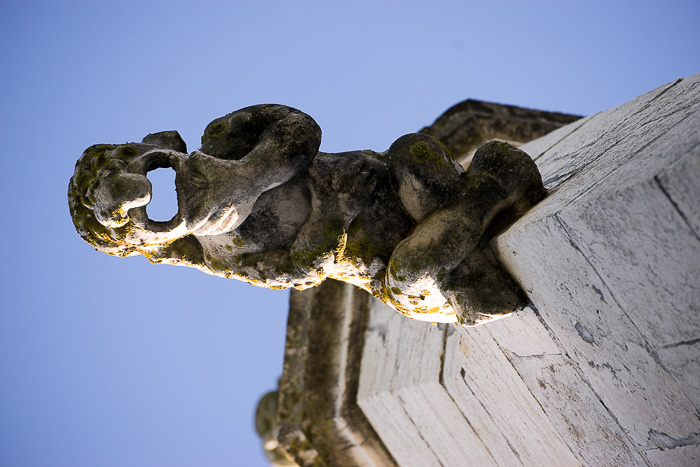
395,266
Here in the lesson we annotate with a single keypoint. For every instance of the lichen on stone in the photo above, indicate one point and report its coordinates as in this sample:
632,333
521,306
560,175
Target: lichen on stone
259,203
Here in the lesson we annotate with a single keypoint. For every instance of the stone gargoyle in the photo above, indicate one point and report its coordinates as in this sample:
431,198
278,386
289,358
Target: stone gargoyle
260,203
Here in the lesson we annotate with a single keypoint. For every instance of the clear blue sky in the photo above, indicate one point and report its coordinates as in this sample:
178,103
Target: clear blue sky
115,362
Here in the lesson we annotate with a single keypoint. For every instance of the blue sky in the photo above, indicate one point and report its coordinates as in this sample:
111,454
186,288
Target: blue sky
116,362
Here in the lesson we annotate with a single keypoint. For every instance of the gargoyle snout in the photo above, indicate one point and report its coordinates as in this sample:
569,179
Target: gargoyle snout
115,195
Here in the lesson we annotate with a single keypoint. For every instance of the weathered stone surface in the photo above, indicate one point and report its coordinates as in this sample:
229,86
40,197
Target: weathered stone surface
401,386
574,411
618,263
400,392
259,203
267,425
604,367
470,124
446,258
677,183
318,421
681,456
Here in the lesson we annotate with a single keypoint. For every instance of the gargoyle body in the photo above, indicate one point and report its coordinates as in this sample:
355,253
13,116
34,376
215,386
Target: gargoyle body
259,202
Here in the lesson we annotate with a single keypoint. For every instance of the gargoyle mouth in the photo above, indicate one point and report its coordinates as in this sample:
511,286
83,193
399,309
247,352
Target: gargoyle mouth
159,159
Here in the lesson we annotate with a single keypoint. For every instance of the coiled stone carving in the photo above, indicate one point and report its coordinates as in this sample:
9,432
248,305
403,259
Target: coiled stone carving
259,202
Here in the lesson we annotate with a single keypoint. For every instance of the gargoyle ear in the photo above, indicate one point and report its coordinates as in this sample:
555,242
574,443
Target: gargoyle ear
166,140
234,136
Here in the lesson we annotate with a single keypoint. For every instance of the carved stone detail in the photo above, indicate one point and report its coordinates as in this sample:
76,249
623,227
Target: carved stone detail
260,203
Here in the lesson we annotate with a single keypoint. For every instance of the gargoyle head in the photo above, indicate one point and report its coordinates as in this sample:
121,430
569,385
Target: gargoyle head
109,191
247,153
